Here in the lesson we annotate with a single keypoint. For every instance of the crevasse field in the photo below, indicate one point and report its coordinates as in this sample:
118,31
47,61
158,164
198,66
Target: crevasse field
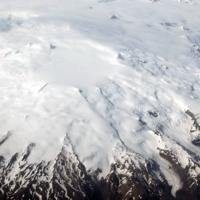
104,75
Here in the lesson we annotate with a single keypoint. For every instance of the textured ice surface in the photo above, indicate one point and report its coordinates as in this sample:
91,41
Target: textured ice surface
71,67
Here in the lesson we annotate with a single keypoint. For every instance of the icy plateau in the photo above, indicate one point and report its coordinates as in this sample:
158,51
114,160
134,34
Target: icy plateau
99,99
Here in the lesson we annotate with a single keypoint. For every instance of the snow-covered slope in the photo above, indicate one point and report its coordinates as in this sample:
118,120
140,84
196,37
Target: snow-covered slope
99,99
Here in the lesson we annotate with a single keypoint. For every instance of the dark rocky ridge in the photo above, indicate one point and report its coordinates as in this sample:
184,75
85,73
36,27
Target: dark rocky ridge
195,129
67,178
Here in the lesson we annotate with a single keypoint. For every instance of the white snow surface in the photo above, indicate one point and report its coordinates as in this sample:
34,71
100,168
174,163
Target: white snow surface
95,70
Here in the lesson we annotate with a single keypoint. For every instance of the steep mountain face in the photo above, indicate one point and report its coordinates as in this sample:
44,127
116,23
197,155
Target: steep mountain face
99,100
130,177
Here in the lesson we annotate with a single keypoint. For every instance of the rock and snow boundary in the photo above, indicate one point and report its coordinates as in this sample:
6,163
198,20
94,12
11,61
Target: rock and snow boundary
107,82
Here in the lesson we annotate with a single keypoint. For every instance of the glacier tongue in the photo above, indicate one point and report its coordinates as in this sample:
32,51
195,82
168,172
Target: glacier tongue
110,88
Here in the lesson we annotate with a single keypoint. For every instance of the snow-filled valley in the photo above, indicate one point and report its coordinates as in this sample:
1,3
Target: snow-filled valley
96,84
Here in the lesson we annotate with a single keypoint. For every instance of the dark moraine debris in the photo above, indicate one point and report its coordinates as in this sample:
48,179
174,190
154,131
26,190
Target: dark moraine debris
196,142
5,137
52,46
114,17
153,113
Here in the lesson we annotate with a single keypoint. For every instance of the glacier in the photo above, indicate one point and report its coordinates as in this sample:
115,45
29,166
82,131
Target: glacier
103,83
